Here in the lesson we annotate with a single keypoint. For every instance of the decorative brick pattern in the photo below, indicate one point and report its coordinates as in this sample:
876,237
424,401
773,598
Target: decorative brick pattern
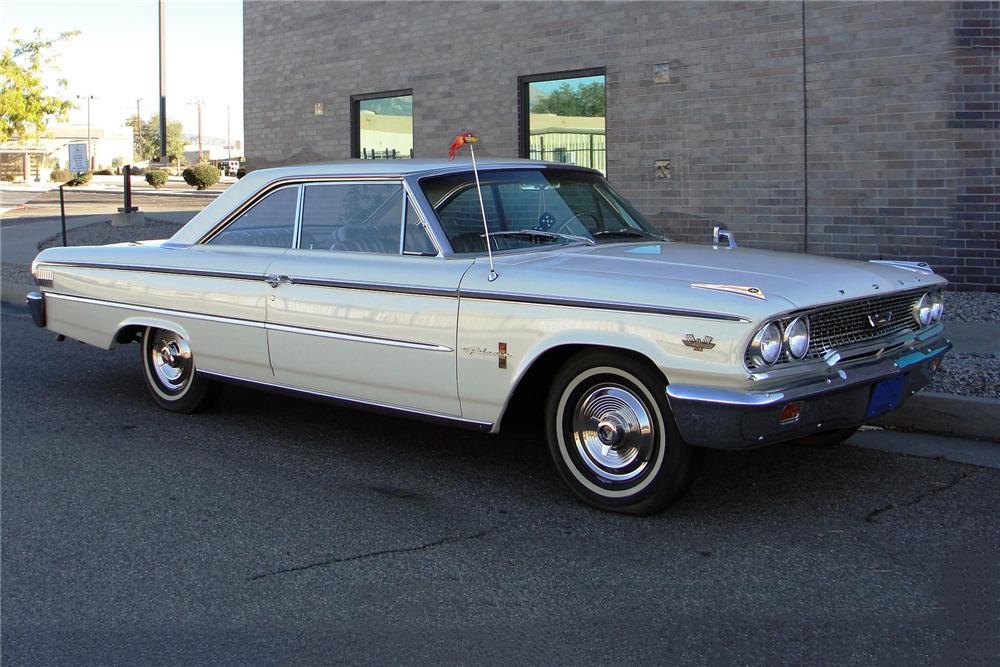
851,129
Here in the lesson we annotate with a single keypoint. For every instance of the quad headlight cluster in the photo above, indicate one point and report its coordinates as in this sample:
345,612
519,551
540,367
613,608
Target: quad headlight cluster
929,308
778,338
788,339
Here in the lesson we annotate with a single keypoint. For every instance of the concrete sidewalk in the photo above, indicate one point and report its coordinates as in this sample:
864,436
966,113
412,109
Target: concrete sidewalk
928,412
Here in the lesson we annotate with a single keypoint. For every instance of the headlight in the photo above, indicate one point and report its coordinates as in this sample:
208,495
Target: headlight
923,310
797,337
937,306
766,345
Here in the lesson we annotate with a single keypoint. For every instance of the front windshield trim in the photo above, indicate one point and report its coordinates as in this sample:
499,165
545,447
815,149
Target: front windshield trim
522,205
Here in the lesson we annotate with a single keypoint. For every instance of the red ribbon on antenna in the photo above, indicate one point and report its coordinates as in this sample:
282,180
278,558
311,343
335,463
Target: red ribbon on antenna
461,140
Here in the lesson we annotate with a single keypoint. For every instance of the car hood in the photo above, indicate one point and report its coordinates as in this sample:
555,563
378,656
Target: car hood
691,273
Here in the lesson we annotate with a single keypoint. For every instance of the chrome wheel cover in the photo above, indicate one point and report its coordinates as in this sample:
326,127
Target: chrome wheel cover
170,361
612,430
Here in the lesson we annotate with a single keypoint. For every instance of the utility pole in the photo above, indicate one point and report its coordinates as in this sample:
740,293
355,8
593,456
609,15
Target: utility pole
90,147
198,103
138,129
164,158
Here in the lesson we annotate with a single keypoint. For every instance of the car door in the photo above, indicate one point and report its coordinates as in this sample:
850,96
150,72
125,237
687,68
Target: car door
220,283
365,309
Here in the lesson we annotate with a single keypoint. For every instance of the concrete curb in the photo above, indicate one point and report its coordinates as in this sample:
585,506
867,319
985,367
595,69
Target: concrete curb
947,414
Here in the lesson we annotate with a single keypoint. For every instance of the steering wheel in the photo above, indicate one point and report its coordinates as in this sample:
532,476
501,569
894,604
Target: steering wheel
579,218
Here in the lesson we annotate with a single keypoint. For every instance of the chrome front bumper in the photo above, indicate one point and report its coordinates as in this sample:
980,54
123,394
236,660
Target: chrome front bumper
848,396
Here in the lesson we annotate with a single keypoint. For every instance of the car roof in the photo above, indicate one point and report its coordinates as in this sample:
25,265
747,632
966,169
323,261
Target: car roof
396,167
257,180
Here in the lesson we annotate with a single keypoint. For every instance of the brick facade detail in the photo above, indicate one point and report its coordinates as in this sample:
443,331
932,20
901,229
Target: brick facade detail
863,130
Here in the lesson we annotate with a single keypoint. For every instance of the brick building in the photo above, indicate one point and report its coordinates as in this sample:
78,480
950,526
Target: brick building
855,129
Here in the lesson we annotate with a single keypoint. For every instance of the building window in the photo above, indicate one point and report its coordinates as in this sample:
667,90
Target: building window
382,125
563,118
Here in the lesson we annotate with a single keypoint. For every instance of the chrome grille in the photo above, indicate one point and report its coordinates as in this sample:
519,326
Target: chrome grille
851,323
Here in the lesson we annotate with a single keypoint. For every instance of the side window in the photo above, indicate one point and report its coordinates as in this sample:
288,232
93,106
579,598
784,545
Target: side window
416,240
353,217
269,223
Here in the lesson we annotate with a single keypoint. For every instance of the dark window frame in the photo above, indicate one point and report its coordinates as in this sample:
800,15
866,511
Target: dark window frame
356,101
524,103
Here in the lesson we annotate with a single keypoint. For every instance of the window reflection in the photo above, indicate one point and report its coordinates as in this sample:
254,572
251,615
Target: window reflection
384,126
566,120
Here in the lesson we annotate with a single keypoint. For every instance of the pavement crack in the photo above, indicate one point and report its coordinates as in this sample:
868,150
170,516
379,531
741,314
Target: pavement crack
944,486
373,554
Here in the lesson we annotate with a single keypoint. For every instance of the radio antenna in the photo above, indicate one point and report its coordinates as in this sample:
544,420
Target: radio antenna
470,139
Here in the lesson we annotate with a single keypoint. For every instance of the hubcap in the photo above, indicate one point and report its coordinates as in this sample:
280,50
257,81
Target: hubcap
613,432
171,360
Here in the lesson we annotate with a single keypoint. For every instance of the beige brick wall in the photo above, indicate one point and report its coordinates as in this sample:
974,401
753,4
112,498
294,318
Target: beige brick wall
851,129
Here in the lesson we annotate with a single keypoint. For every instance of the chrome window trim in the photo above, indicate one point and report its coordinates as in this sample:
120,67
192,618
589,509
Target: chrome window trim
231,217
299,181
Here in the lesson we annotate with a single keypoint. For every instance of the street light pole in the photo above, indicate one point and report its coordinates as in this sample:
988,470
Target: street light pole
198,103
90,147
138,128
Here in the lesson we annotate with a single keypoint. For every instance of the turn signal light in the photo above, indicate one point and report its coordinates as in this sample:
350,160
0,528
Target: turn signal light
791,412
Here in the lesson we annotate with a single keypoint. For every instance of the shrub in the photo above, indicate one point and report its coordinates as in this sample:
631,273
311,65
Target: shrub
139,171
240,173
59,176
104,172
80,179
157,178
201,175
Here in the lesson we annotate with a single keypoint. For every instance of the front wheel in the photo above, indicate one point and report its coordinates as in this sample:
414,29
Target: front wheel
613,437
169,371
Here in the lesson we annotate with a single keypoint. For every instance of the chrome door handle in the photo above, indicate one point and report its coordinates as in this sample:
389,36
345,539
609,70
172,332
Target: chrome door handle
274,280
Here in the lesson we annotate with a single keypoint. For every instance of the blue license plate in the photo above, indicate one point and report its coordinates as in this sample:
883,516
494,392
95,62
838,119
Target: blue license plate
886,395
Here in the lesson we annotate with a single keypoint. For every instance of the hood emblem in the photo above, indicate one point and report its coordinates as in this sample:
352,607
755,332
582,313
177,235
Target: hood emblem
879,319
699,344
752,292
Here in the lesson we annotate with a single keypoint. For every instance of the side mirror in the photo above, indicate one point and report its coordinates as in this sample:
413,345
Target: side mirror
722,235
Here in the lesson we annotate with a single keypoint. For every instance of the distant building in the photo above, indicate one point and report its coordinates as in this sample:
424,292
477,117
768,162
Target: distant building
109,147
863,129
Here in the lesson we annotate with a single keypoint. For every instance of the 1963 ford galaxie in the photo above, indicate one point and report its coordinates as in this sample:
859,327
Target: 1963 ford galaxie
380,284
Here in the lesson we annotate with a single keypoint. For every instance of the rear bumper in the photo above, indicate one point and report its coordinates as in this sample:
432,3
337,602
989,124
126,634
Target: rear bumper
36,304
848,396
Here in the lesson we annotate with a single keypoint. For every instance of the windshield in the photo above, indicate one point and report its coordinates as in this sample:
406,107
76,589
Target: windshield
527,208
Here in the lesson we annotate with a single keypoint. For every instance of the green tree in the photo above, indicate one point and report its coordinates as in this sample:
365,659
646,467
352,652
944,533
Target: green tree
25,108
584,100
151,136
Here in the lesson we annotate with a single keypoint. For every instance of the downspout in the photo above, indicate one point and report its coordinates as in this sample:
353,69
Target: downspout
805,138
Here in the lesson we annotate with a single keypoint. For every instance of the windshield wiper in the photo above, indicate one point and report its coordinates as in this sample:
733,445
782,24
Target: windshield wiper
627,233
539,234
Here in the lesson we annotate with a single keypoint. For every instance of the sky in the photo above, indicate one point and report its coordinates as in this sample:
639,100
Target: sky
115,58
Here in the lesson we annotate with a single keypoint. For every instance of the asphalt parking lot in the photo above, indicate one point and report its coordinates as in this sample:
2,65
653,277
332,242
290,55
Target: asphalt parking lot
276,531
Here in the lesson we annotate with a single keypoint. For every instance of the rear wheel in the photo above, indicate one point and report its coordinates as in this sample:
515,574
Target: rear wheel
613,438
169,370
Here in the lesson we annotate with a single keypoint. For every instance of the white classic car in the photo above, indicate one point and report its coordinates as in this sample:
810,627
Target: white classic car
516,291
